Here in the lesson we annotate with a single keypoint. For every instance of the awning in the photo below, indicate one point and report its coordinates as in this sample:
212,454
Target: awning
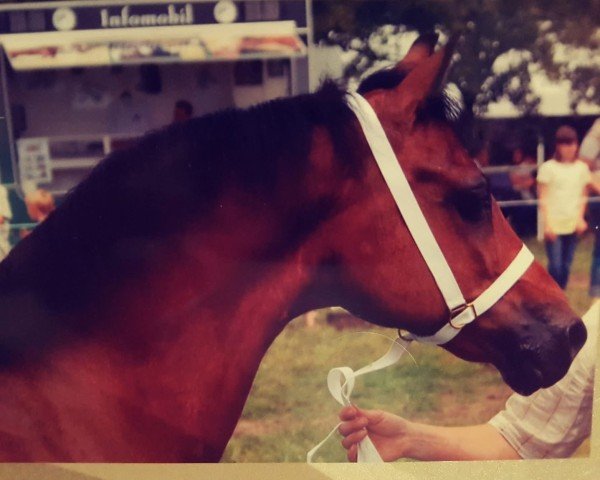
190,43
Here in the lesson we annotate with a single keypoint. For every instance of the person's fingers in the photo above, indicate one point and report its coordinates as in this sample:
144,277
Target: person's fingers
348,413
346,428
352,453
353,438
373,416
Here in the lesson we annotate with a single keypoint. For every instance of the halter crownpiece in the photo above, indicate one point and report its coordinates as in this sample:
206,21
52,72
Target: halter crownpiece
340,381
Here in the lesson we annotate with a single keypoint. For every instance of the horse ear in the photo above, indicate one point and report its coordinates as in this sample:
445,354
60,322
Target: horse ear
426,75
421,49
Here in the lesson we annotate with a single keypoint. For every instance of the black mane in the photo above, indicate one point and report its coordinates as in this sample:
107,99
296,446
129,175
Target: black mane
133,192
178,173
128,213
193,162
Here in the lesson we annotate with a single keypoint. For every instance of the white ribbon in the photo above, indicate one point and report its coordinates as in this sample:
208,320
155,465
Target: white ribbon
340,382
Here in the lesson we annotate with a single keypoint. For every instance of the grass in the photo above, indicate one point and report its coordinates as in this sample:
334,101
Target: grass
290,410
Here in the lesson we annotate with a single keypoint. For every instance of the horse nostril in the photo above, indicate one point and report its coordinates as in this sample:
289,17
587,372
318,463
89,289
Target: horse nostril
577,335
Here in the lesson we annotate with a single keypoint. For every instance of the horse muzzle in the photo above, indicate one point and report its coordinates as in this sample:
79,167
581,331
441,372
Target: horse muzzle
541,362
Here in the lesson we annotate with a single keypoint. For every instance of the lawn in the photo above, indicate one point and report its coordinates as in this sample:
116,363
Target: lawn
289,409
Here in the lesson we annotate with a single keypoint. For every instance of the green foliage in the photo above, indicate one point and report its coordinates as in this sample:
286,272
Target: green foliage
490,28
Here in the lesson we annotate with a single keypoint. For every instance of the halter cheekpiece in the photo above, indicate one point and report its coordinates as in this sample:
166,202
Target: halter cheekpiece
461,312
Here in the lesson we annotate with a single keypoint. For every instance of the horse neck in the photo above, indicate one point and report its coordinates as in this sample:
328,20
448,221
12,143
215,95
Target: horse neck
181,349
216,357
251,298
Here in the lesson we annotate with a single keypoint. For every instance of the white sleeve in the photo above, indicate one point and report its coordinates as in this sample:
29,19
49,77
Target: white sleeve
590,146
587,176
544,173
554,421
5,210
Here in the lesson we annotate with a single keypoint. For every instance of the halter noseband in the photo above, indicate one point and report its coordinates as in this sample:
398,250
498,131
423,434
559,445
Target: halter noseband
461,312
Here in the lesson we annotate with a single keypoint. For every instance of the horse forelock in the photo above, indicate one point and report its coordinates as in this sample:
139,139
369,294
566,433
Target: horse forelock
440,107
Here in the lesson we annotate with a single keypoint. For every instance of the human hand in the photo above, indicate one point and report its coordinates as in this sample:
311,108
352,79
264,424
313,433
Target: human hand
549,234
388,432
581,227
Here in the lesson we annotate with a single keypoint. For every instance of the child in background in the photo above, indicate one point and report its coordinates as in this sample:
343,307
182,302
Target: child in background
562,189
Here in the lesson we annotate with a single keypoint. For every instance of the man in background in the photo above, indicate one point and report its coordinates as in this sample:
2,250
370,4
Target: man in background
183,111
5,217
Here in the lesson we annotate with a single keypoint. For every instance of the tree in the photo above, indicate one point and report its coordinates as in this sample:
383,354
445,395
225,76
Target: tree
561,38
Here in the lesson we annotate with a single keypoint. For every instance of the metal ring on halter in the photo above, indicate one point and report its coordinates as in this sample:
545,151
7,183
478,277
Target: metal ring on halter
455,312
402,333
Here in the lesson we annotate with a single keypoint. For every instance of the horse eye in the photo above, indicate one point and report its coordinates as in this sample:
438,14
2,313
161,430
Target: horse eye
473,204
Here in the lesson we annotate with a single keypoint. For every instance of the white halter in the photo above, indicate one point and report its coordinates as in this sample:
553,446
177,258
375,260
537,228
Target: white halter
340,381
461,312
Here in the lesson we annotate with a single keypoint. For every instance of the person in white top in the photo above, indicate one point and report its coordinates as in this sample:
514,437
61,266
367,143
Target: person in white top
590,153
562,189
5,217
551,423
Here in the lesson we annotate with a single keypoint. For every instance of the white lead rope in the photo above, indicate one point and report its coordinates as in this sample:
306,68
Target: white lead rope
340,382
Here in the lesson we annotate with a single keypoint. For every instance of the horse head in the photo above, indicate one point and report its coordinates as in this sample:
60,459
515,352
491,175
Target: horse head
531,334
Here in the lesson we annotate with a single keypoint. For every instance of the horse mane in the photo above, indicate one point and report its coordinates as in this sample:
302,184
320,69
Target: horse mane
131,207
196,160
128,210
138,197
190,164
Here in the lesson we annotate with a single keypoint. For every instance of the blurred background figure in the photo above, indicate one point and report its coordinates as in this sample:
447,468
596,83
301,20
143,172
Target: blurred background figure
590,153
522,180
562,187
5,217
40,204
521,177
183,111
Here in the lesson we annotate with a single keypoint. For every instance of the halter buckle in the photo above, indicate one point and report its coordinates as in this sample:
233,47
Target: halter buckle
455,312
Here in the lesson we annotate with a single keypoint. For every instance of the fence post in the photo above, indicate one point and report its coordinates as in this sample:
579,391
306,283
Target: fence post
541,154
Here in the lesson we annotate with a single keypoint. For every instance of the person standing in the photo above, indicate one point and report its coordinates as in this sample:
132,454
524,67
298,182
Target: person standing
522,179
562,189
182,111
590,153
5,217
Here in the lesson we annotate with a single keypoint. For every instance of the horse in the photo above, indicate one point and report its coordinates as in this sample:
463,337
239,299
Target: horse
134,318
